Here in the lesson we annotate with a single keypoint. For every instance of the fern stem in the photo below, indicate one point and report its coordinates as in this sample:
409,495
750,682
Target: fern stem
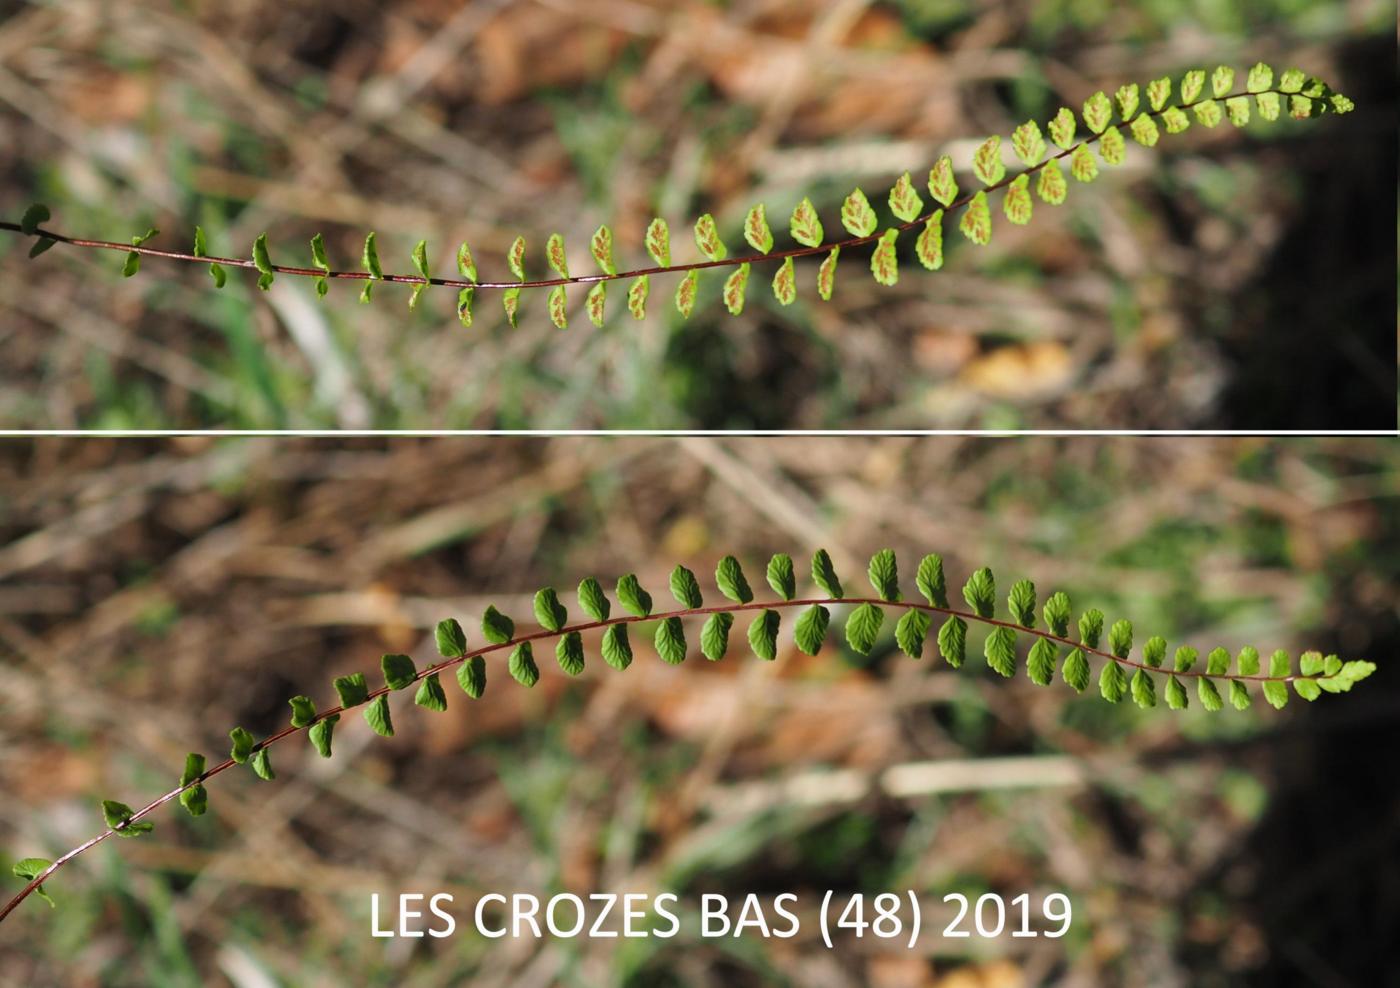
688,612
589,279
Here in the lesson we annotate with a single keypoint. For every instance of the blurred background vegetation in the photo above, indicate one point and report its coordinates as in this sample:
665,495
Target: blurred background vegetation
1226,280
154,594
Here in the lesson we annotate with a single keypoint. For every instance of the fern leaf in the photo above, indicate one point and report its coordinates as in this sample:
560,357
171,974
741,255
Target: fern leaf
1028,143
261,261
1127,97
686,292
1261,77
1098,112
929,246
1193,83
637,296
826,274
471,676
1143,690
596,303
910,632
38,213
862,628
318,258
1112,146
558,301
781,577
941,183
1051,185
658,240
810,631
976,223
757,231
1062,128
930,580
980,592
1040,664
884,575
685,588
1113,684
1277,692
515,258
805,226
1082,164
118,817
617,647
785,282
1175,119
763,634
1056,613
857,216
669,641
987,163
1091,627
824,574
554,253
465,297
1021,602
510,301
884,263
1000,651
905,201
521,665
352,691
729,577
714,636
707,239
379,718
952,641
1208,112
593,600
635,600
496,628
430,694
216,271
369,258
601,247
1145,131
1222,81
420,261
1075,671
1017,202
1158,92
734,287
466,264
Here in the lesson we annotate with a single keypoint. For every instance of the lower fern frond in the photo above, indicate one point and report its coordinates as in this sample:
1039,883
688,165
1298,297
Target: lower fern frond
1052,648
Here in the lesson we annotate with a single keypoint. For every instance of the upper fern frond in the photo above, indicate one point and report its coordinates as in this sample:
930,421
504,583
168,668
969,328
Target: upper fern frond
1053,648
1142,114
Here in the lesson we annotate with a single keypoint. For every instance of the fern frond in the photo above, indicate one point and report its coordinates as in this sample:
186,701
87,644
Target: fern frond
1303,96
1120,674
